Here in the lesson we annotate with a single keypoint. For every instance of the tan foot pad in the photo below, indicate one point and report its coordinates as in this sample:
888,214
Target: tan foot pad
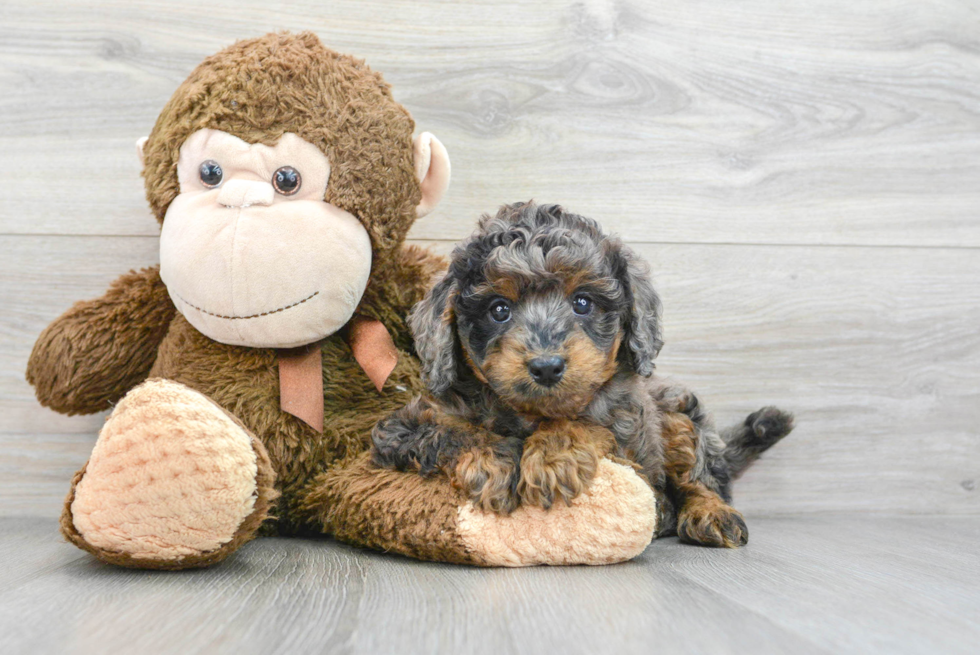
172,478
613,521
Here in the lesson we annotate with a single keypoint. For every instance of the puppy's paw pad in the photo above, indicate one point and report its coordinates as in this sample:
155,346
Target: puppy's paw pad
488,480
722,527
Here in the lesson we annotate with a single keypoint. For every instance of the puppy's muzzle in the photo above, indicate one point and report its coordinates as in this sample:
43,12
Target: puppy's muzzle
546,371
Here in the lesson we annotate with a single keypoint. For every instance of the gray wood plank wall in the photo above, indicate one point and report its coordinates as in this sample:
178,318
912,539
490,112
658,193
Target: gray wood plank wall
803,176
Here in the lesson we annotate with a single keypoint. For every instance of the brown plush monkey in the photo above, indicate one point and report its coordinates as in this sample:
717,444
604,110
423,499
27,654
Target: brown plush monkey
247,370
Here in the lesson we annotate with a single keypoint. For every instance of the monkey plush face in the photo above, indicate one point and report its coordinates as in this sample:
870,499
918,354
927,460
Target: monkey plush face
285,177
251,252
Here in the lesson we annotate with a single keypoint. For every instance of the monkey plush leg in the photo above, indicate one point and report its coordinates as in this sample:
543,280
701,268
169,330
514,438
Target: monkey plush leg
427,518
560,460
703,517
173,482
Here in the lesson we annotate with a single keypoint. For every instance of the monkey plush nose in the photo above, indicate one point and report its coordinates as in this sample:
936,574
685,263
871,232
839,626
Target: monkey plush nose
244,193
546,371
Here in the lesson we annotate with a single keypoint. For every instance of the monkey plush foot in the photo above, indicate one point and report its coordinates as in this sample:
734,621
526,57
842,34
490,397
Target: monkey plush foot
173,482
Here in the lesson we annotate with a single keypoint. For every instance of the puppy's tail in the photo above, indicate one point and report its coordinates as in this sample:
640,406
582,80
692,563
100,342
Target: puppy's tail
753,436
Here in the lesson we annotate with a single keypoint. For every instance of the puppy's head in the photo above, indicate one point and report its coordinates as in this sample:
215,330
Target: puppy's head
541,306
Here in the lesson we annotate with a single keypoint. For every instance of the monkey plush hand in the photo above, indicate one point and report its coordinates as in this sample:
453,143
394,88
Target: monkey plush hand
246,371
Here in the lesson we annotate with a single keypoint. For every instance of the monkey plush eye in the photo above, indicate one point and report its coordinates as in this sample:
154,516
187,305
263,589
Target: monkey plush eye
287,180
500,311
211,173
582,305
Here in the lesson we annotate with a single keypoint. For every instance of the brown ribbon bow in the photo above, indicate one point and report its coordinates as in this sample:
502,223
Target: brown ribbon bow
301,369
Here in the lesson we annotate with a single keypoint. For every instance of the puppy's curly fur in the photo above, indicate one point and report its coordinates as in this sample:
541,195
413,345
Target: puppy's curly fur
538,350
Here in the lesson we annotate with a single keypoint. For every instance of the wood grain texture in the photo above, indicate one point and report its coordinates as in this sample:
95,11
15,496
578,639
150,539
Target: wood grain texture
752,122
806,585
802,176
875,349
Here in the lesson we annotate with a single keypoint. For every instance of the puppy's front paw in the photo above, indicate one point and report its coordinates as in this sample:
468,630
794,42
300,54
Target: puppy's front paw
549,475
488,479
712,524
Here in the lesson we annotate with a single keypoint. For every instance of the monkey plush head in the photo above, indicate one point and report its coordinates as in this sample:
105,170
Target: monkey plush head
273,174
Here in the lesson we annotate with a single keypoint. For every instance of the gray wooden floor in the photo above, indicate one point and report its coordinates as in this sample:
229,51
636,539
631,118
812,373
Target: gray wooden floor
819,584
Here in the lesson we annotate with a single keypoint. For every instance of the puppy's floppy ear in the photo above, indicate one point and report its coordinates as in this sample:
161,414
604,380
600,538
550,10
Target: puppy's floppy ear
641,322
433,325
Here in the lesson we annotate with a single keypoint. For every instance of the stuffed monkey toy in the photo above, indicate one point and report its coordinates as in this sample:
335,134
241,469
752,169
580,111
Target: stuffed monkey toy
246,371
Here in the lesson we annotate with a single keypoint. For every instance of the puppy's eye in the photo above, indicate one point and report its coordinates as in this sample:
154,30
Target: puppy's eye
211,173
500,311
287,180
582,305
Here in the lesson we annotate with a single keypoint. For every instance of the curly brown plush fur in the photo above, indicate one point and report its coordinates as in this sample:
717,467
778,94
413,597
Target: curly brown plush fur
260,89
100,349
91,356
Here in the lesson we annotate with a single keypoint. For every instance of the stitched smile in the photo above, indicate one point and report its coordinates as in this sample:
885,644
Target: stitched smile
241,318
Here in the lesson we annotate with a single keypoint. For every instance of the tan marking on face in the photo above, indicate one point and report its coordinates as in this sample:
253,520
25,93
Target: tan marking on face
502,286
473,367
587,368
574,279
506,364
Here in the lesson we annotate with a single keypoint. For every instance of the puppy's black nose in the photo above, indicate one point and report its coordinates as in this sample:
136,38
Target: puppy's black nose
546,371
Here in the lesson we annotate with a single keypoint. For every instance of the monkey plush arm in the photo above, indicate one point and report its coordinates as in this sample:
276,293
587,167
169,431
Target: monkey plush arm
428,518
91,355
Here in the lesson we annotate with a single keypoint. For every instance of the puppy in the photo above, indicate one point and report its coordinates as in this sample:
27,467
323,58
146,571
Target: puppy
537,348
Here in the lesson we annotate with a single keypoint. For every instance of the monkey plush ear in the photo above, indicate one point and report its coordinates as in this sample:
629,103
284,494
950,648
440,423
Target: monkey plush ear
432,170
140,143
642,320
433,326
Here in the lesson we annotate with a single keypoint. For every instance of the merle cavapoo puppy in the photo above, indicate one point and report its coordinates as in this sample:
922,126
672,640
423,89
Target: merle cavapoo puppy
537,348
